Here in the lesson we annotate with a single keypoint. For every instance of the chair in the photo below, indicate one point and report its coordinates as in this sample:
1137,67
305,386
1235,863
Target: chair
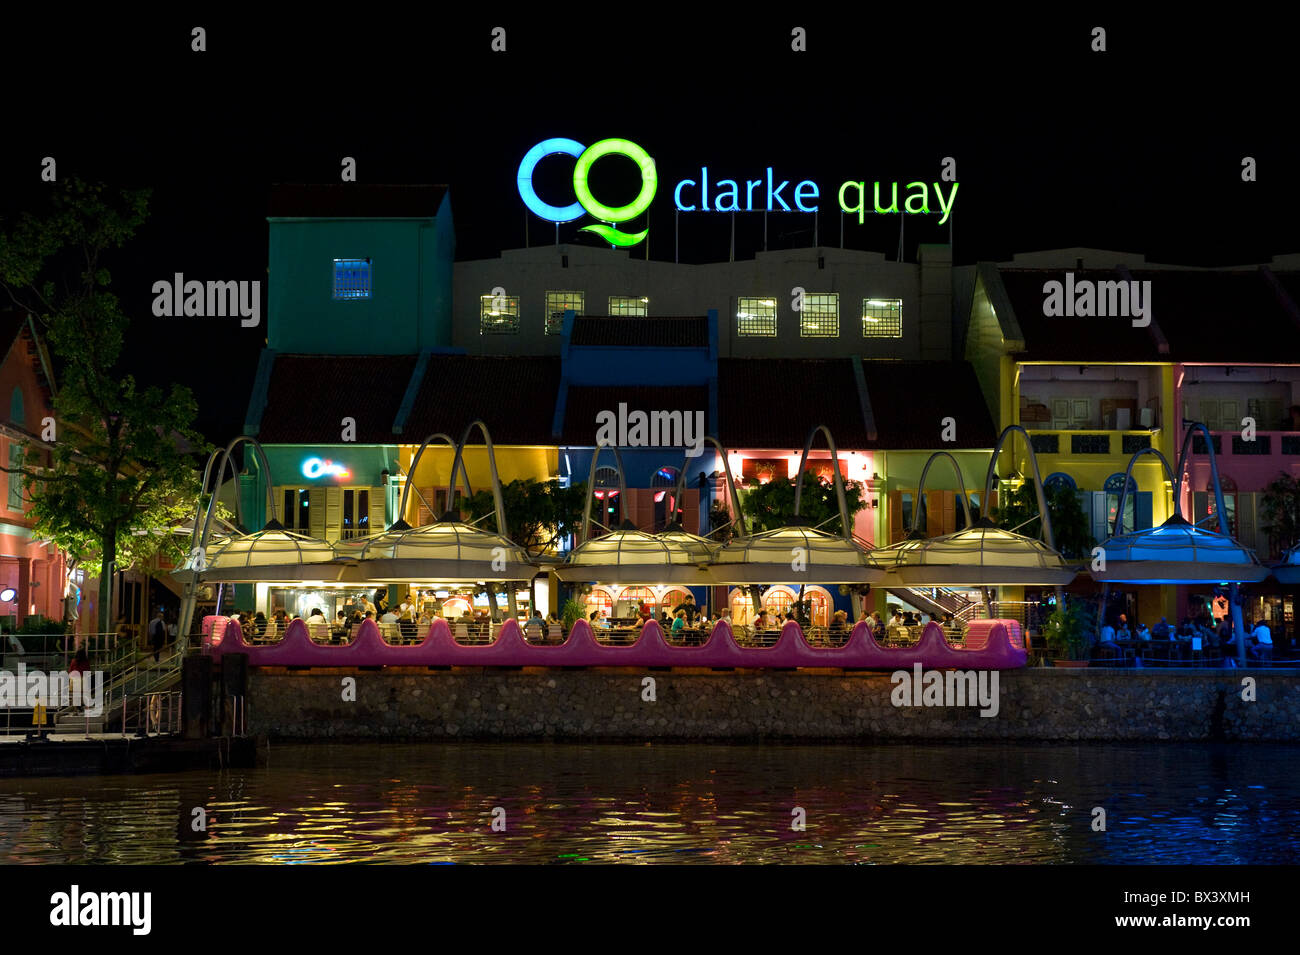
533,633
462,634
554,634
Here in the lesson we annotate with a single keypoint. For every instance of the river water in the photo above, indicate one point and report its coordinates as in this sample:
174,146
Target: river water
570,803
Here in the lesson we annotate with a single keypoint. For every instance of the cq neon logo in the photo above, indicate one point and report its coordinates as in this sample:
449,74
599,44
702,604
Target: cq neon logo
587,156
315,467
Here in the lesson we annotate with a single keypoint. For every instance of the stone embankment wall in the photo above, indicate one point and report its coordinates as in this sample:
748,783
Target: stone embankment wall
1046,704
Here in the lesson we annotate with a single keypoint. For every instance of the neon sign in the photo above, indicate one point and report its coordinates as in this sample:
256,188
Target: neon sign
587,156
317,467
765,194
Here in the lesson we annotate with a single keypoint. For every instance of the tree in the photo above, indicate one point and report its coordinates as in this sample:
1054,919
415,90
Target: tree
771,505
1070,528
1279,510
539,513
122,465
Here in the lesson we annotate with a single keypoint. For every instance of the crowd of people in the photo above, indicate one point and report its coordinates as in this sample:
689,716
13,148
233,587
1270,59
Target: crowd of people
1200,633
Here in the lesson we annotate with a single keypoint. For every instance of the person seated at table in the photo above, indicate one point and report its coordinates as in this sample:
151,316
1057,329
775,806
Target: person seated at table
878,630
1143,633
389,617
1161,630
664,619
1106,641
341,623
679,621
259,624
1122,632
840,621
1262,641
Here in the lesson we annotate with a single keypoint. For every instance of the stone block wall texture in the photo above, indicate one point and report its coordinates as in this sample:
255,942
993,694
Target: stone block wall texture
1038,704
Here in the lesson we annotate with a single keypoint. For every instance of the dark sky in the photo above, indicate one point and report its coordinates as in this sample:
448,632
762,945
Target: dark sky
1137,149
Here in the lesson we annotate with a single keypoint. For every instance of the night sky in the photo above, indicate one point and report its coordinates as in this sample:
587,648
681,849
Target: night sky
1137,149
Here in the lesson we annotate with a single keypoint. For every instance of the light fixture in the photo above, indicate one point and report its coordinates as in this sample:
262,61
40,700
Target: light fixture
7,595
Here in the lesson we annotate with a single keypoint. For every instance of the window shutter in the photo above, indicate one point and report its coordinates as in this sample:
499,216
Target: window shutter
1246,532
333,513
949,512
378,511
934,513
316,512
895,516
1100,516
1144,505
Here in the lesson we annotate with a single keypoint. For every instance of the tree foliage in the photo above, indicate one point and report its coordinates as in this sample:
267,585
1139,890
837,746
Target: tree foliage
539,513
1279,510
1070,527
122,471
771,505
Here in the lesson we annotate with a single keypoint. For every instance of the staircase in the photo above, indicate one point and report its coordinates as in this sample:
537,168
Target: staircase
130,678
938,601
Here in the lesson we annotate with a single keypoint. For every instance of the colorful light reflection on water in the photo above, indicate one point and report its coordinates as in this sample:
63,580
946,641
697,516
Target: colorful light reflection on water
573,804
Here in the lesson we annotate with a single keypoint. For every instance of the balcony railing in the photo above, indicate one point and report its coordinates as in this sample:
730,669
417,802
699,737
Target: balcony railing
1282,445
1088,441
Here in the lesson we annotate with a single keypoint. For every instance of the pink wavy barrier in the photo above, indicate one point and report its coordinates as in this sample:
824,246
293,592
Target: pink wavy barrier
990,645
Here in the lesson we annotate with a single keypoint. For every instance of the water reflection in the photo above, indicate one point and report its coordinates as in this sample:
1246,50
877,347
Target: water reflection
677,803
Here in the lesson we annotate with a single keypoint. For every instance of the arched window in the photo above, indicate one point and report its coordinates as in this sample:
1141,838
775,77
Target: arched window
17,411
599,599
778,600
1114,484
607,493
663,485
1061,479
639,596
673,598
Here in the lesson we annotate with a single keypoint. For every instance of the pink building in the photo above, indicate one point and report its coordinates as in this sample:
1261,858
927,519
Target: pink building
34,570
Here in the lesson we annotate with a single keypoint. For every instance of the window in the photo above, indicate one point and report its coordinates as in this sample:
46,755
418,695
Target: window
1046,443
1263,444
1114,484
663,484
498,314
557,303
295,513
599,601
17,413
1090,444
756,316
1198,443
882,318
352,278
820,317
1133,443
607,492
356,513
1290,444
15,480
1059,479
629,306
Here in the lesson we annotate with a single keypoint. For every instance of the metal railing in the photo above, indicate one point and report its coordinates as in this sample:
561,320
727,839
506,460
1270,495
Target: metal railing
152,714
237,708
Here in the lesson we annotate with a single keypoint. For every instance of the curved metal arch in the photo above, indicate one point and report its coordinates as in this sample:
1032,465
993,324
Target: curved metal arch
415,462
1221,513
591,486
221,470
1128,479
199,538
731,484
847,526
502,528
1048,538
961,482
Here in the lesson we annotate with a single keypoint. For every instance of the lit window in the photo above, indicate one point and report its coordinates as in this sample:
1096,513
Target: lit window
557,303
498,314
820,317
352,278
629,306
882,318
756,316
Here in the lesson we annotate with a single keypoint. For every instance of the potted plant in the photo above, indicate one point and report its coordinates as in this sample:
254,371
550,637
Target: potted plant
1066,631
574,610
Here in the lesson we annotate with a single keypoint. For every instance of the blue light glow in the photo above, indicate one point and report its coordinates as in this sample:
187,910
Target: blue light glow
544,210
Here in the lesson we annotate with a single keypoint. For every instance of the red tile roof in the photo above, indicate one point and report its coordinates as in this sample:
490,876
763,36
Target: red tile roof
513,396
310,395
585,403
